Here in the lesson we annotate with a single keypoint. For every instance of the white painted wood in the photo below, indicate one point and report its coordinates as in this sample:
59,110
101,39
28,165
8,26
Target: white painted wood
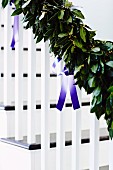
60,143
45,76
110,154
60,134
7,54
19,158
76,135
94,143
31,88
19,83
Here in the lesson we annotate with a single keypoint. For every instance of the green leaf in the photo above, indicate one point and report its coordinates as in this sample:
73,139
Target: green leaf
111,133
78,13
61,26
83,33
112,125
72,49
92,34
77,69
99,99
68,4
39,38
110,64
4,3
71,32
97,91
91,82
25,4
110,89
102,66
89,60
94,68
61,14
109,45
77,43
17,12
69,20
96,49
61,35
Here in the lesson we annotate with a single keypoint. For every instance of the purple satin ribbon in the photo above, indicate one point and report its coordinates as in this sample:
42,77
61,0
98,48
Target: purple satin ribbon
11,2
68,80
15,31
15,36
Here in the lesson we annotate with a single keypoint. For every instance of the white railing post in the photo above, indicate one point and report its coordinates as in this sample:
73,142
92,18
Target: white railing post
31,87
19,83
45,105
7,54
111,154
94,142
76,135
60,135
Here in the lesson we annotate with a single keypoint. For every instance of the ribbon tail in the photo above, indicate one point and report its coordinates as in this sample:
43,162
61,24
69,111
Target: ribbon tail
63,93
13,42
73,93
15,31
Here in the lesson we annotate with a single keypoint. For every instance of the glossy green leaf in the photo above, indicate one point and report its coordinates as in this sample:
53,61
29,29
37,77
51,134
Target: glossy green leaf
110,64
61,14
4,3
110,89
71,32
97,91
61,35
72,49
77,43
17,12
78,13
96,49
91,82
109,45
111,133
83,33
69,20
94,68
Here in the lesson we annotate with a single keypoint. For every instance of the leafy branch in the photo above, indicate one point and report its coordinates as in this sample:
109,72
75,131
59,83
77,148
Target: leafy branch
70,39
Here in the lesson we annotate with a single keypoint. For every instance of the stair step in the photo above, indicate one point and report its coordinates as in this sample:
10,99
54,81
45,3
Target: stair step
84,139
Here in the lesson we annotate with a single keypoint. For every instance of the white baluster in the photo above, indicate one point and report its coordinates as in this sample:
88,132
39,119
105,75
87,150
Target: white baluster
60,135
7,54
19,83
31,87
76,135
94,142
111,154
45,77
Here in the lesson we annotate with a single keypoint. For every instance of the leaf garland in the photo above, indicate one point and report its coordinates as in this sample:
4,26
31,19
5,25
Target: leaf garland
70,39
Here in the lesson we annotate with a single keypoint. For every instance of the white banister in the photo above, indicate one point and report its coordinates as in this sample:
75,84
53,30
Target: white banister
19,83
7,54
94,142
76,135
45,77
31,88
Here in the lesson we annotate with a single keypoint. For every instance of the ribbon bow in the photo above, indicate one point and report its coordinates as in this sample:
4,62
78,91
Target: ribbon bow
68,80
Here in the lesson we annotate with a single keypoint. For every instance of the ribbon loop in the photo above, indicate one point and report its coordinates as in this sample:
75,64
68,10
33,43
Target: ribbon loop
67,80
